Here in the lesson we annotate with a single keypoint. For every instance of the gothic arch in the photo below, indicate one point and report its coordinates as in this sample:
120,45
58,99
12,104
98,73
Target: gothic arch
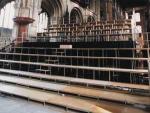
76,16
4,2
52,7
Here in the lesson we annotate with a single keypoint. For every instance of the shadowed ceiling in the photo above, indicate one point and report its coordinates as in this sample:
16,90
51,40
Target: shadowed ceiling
132,3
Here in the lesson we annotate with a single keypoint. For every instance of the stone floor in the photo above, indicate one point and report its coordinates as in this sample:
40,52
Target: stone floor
16,105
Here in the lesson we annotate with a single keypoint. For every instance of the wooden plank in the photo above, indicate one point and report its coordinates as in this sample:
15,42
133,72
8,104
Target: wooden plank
76,80
105,69
87,92
83,48
41,96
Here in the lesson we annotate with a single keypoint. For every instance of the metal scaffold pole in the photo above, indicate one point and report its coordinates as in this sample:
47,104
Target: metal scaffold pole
148,44
149,73
148,61
148,48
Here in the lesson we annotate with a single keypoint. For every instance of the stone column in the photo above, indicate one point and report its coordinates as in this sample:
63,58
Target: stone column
109,10
26,16
148,26
143,22
22,27
36,9
98,10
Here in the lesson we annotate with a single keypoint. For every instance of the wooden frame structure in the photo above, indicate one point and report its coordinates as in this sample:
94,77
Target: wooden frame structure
92,31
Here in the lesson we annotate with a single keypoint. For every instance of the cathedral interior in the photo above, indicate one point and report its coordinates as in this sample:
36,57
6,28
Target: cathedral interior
74,56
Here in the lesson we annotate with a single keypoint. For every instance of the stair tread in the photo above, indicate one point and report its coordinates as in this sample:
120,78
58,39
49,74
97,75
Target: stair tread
43,70
41,96
76,80
83,91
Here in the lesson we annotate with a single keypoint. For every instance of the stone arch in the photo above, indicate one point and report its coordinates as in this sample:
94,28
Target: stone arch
4,2
7,13
76,16
51,6
54,9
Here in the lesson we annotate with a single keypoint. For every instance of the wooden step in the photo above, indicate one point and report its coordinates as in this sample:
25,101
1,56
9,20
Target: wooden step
76,80
44,97
78,57
105,69
29,48
87,92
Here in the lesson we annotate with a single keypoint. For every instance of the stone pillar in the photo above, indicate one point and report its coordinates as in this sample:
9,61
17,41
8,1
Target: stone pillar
98,10
143,22
36,9
26,16
22,25
109,10
148,26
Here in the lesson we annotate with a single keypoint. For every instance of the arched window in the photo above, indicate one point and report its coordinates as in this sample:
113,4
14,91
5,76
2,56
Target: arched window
76,16
42,22
6,19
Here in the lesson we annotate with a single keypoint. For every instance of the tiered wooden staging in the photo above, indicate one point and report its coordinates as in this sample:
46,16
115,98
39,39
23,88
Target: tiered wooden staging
76,90
67,70
72,80
95,59
43,66
93,31
44,97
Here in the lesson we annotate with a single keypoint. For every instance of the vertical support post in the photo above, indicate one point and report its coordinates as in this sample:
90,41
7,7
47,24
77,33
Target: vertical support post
148,62
3,21
109,76
109,10
148,26
149,73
